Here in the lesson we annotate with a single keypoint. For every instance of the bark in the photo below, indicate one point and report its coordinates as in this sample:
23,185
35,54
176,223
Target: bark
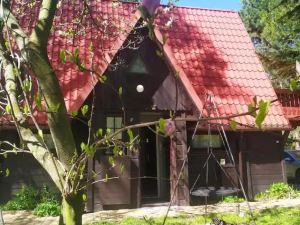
43,156
72,209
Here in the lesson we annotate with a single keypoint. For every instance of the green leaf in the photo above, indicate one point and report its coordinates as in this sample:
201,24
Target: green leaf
99,132
8,109
62,56
293,84
120,91
84,197
27,85
262,113
81,67
103,79
75,113
130,135
41,135
122,168
38,100
233,124
252,110
116,150
111,161
26,109
88,149
82,146
162,123
94,174
84,109
7,172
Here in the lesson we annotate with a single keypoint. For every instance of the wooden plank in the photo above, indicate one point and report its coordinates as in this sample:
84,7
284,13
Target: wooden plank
266,179
116,191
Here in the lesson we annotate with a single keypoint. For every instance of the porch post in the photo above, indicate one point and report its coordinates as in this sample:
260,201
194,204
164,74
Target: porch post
178,153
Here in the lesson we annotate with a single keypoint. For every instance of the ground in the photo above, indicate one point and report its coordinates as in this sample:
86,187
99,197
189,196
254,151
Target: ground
27,218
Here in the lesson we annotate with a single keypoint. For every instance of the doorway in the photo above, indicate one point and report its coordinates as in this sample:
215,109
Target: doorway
155,163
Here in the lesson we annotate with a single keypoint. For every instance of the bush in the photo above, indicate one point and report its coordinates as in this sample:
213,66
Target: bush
25,199
47,209
44,202
278,191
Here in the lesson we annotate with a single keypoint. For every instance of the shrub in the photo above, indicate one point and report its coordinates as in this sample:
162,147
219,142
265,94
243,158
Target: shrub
47,209
278,191
25,199
44,202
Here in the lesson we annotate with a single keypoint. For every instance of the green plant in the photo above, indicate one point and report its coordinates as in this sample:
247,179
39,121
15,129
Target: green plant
25,199
233,199
51,208
278,191
43,201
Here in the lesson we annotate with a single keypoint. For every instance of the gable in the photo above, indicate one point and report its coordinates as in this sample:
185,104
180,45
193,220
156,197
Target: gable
158,82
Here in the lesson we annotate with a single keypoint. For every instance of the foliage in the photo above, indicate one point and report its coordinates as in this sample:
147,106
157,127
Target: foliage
51,208
276,36
44,202
278,191
25,199
233,199
274,216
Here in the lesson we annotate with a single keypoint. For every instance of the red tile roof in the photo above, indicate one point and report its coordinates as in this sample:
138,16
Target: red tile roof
214,56
210,49
115,21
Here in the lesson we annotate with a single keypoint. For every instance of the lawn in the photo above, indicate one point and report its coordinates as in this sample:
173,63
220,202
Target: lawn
275,216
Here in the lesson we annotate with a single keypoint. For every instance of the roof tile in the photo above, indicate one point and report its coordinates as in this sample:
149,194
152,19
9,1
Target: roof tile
227,65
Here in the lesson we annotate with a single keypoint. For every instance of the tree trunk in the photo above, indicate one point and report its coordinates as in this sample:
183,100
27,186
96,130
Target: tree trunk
71,210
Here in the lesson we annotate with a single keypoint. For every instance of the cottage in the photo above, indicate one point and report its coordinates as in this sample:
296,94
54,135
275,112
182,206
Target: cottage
202,63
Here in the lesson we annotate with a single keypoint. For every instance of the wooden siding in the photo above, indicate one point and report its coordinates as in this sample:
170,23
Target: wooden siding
24,170
115,191
264,155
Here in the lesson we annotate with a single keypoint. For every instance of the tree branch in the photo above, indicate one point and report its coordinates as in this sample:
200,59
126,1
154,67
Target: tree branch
41,32
13,25
43,156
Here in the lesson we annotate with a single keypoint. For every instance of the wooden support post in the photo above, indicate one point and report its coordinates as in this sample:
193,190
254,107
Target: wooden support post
178,154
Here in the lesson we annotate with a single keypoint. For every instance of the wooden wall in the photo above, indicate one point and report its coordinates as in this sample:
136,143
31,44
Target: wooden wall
264,154
24,170
258,156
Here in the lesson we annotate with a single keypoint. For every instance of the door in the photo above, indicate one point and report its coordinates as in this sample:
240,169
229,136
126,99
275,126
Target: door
154,157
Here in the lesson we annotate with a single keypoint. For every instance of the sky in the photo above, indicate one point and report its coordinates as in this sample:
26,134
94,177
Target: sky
212,4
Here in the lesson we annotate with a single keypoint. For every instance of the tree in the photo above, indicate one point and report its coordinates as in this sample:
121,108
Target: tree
67,164
274,27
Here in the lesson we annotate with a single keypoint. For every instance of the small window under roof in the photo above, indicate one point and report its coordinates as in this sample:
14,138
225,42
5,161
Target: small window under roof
138,66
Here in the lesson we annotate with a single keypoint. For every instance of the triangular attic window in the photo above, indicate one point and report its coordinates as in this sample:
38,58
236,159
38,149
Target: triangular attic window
138,66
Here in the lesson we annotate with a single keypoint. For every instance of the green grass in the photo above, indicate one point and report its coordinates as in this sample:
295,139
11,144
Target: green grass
274,216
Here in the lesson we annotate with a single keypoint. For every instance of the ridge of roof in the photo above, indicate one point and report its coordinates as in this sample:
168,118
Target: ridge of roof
189,7
203,8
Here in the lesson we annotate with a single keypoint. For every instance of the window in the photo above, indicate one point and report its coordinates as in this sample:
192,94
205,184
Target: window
203,141
113,124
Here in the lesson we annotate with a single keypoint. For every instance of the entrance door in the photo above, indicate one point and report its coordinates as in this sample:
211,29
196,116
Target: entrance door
155,183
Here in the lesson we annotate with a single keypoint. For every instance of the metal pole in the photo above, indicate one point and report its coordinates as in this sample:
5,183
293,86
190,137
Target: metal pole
1,218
